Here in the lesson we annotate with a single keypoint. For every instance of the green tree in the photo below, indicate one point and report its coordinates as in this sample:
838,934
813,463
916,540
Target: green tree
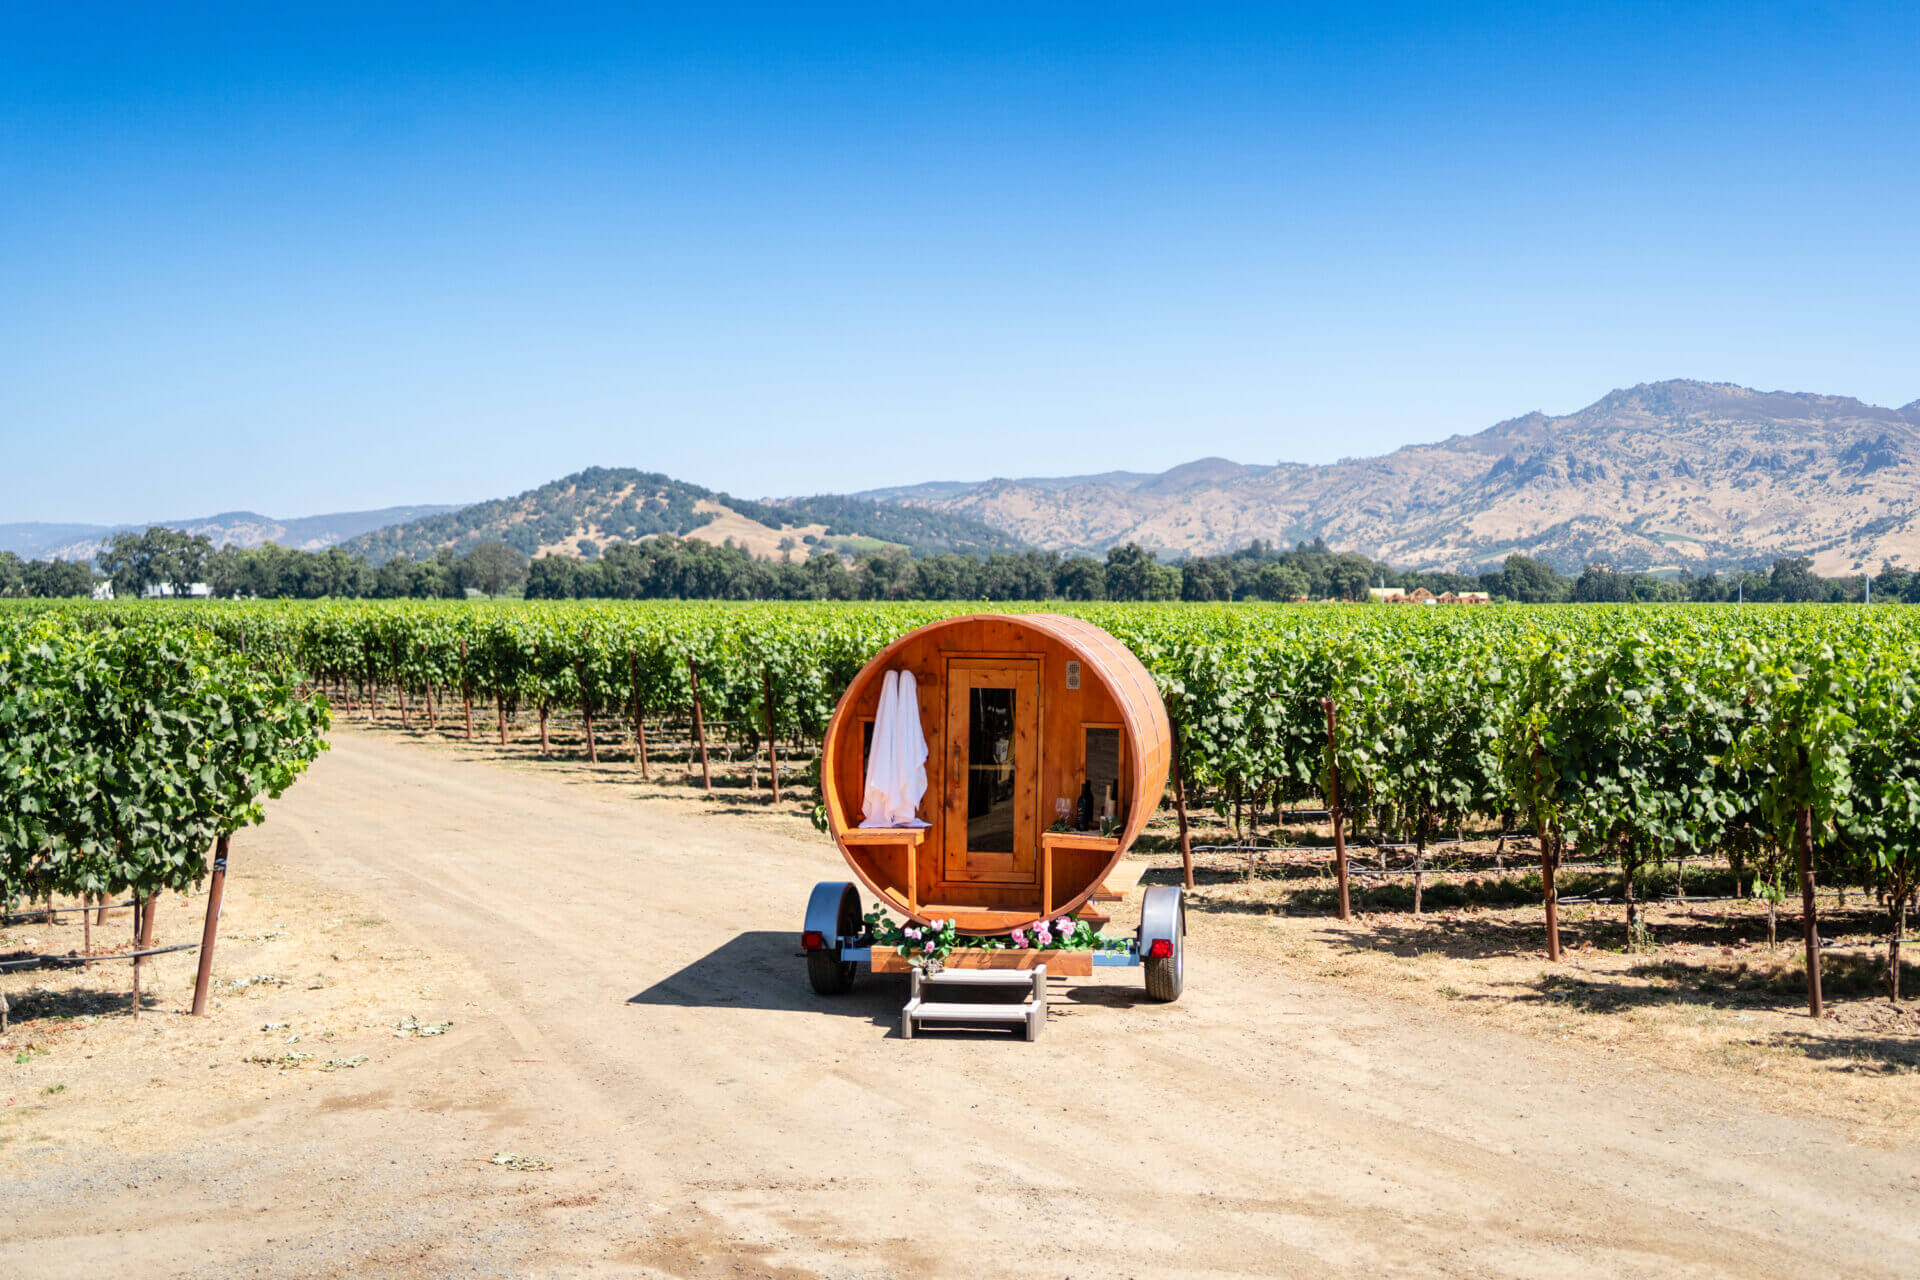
1348,578
1082,578
1602,584
58,579
1131,573
1281,582
13,575
1527,581
160,556
1794,581
1204,579
491,568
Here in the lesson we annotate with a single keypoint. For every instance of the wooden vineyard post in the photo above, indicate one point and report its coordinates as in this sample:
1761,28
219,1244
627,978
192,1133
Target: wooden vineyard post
215,889
586,714
773,757
639,716
1419,860
1180,808
139,909
1549,892
466,688
1809,922
500,713
1334,807
699,728
86,925
543,728
404,723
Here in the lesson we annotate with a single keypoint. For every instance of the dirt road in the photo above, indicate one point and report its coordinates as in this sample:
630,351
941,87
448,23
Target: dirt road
629,1008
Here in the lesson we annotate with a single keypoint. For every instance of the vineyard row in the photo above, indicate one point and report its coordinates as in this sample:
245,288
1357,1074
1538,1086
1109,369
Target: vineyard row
1782,739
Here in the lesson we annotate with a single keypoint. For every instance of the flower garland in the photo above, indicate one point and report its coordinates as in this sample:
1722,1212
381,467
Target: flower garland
930,944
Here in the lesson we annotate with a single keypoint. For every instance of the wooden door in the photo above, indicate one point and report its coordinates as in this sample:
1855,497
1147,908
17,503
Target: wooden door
992,805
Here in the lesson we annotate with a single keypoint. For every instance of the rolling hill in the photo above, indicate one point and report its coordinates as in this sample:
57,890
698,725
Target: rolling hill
582,513
232,528
1662,475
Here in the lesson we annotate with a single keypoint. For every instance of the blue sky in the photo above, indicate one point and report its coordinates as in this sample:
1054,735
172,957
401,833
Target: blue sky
298,262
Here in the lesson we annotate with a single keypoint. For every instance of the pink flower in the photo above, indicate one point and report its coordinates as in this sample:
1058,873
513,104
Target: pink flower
1019,937
1063,926
1041,934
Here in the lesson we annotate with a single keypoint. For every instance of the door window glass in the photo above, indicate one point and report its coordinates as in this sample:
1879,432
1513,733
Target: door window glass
990,766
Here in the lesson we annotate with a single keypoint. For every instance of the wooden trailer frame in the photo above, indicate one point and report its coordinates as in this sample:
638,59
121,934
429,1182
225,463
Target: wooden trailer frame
1009,705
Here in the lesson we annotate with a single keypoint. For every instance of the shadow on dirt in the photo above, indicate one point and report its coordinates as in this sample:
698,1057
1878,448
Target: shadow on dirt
765,969
80,1002
1887,1055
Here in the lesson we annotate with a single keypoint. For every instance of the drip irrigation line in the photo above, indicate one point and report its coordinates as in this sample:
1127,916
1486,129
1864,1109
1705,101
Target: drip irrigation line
1586,900
1356,870
15,917
22,962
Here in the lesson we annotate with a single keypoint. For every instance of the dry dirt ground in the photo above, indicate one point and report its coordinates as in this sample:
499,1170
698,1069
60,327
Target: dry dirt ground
628,1014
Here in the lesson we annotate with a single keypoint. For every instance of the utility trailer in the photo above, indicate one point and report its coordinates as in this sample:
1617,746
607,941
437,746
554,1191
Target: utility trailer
1026,718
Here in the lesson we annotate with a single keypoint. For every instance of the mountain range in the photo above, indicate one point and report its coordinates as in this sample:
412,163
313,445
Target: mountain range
1665,475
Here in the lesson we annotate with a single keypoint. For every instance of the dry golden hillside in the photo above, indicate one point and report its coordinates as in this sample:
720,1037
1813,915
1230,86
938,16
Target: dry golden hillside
1670,474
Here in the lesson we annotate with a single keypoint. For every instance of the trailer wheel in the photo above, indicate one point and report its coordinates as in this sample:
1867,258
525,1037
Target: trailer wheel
826,971
829,974
1167,975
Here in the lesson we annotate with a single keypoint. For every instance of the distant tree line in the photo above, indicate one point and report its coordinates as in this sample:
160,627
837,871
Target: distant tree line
177,562
669,567
676,568
270,571
46,578
1791,580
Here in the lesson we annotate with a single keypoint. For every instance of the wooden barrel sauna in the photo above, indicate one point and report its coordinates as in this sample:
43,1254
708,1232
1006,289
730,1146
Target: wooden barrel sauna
1018,710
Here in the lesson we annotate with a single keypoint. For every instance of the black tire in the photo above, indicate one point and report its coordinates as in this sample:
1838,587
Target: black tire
1167,978
829,974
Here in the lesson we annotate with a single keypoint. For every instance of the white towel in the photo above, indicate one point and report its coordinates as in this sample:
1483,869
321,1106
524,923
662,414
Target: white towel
875,802
896,761
910,746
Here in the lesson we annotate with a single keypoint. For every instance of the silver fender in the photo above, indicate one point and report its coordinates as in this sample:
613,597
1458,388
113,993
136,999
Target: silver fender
1163,914
824,910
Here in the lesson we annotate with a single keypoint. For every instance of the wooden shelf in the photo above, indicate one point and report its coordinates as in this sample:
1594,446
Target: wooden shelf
905,839
1052,842
910,836
1092,841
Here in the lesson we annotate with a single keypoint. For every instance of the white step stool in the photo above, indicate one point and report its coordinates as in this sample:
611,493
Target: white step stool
1032,1011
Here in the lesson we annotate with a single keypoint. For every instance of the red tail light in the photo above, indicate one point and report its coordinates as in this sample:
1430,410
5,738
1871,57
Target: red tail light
813,940
1161,949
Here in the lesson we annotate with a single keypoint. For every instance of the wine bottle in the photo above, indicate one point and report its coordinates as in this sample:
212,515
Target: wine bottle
1084,816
